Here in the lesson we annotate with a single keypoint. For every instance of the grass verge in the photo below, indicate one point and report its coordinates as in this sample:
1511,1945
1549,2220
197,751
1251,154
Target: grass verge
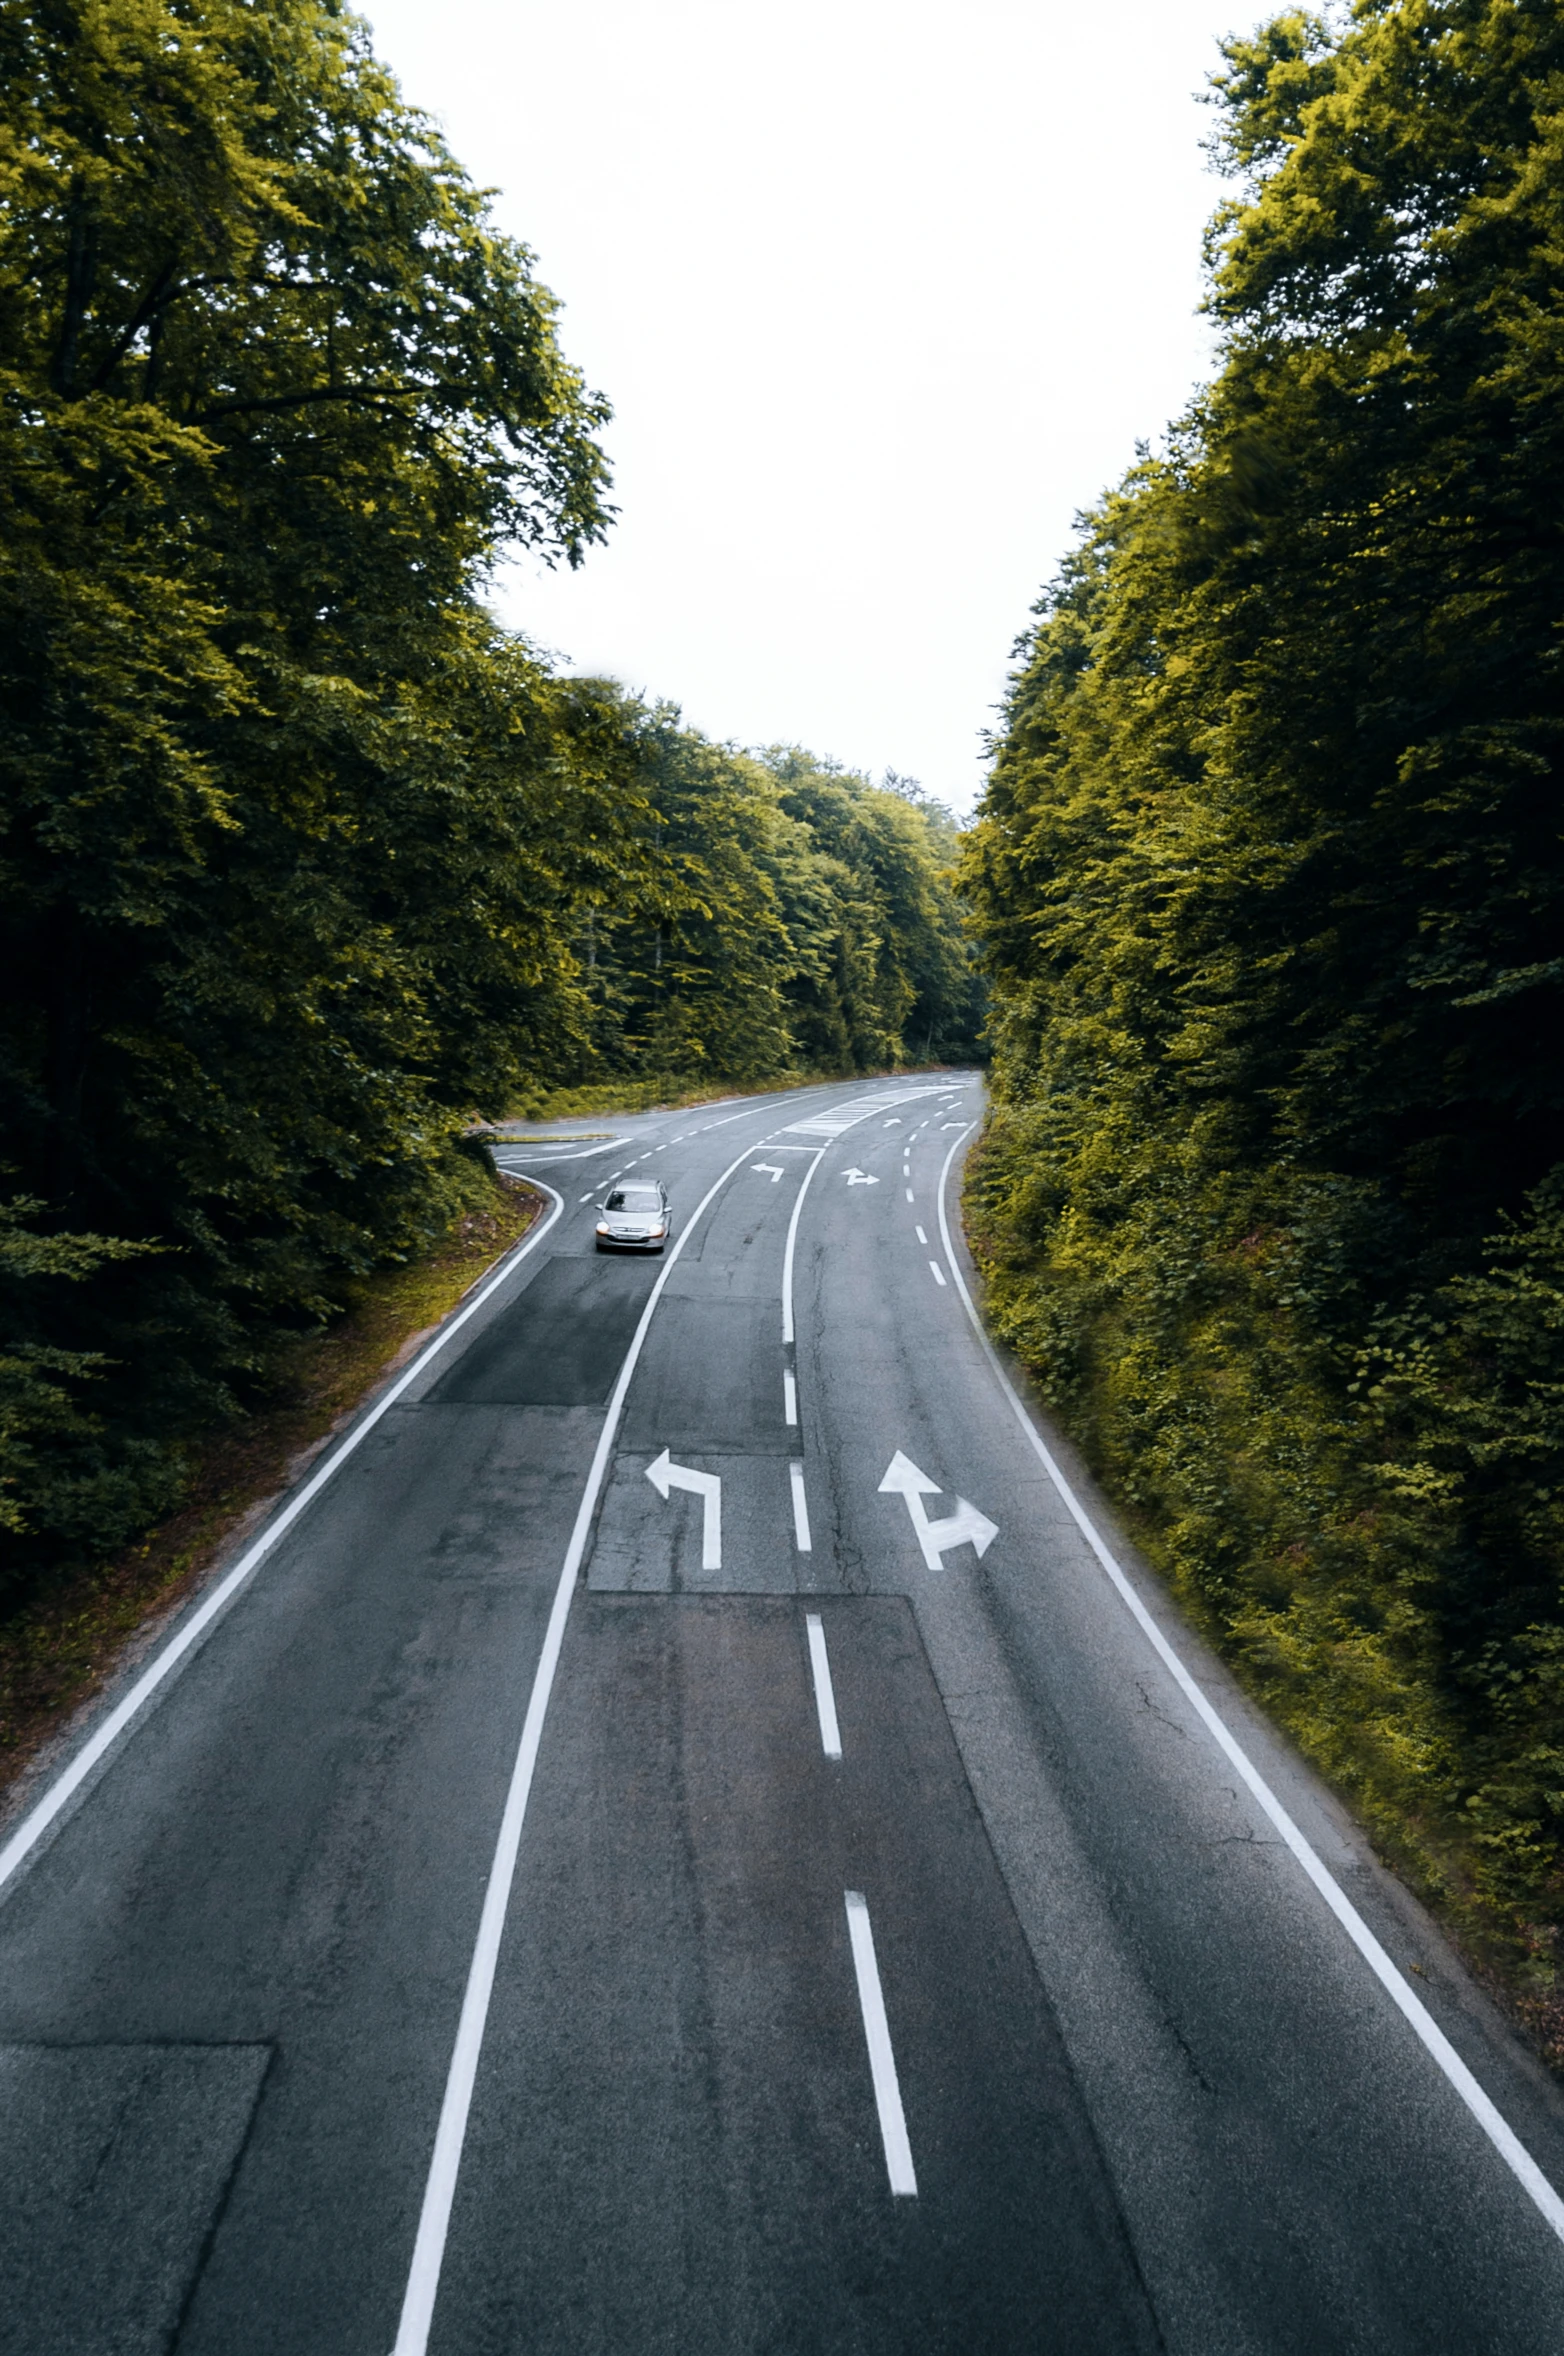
59,1643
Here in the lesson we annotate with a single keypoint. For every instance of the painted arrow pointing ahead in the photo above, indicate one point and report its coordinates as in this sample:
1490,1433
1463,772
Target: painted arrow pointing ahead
859,1178
664,1475
773,1169
903,1477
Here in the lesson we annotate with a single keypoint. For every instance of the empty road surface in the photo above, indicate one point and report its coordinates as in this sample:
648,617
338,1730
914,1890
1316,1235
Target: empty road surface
694,1839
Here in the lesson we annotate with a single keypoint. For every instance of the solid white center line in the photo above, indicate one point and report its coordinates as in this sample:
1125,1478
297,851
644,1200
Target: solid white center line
825,1697
939,1273
800,1508
922,1238
882,2062
423,2275
791,1246
789,1395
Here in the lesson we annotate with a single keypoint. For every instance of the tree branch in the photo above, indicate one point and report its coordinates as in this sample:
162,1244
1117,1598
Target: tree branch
151,303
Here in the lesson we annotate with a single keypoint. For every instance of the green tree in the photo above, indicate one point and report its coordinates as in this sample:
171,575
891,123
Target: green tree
292,839
1269,874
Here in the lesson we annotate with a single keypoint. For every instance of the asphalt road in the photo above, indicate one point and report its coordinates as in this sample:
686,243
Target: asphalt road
616,1876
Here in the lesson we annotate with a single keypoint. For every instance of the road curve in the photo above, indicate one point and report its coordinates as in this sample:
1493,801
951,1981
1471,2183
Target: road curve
685,1838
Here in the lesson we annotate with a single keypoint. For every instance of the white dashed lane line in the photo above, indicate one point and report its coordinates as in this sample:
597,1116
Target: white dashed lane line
825,1693
882,2061
800,1508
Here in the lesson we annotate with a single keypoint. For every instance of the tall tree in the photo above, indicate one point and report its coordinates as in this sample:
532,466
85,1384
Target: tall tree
1271,881
291,840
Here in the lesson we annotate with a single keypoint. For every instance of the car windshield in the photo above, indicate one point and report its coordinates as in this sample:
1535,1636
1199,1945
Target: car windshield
634,1198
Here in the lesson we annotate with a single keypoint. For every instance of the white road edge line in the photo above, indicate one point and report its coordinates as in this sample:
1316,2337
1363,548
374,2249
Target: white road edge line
423,2278
882,2061
789,1395
1483,2109
39,1817
792,1243
795,1473
825,1692
517,1146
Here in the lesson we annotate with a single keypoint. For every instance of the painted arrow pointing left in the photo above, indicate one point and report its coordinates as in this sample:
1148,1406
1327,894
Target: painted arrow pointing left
965,1524
664,1475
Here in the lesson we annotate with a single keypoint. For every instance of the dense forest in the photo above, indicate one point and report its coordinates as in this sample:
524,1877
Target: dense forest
307,865
1269,872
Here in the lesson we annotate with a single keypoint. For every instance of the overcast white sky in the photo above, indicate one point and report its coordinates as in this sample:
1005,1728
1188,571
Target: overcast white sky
882,293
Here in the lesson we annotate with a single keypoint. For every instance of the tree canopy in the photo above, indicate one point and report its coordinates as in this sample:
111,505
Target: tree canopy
1269,875
304,862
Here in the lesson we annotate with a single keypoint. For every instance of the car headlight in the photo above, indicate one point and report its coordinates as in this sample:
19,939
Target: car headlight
602,1227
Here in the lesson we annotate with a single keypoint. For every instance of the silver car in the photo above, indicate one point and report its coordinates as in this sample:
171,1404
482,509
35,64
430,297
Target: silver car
635,1218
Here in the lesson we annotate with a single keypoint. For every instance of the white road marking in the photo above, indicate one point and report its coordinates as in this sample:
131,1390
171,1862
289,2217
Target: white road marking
517,1147
60,1793
835,1118
63,1790
825,1697
789,1395
894,1123
791,1247
1478,2102
664,1475
795,1473
857,1177
423,2277
918,1232
904,1480
771,1170
910,1196
586,1198
938,1271
882,2061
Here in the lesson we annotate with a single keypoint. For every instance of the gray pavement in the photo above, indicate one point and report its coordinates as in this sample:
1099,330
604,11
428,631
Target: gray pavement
1136,2085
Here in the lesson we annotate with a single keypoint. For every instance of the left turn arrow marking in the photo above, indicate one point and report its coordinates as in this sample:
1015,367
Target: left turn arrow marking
664,1475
